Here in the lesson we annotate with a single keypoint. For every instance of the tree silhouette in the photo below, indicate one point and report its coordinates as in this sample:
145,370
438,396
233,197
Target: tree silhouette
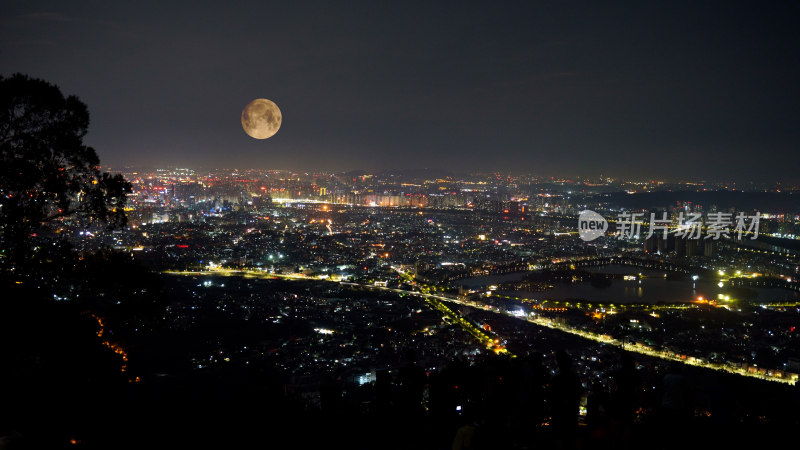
48,177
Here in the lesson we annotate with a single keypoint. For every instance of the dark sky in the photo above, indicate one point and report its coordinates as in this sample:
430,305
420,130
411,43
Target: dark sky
704,90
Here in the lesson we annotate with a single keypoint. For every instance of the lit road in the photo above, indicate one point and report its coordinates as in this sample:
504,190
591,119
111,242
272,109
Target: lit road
436,301
638,347
433,301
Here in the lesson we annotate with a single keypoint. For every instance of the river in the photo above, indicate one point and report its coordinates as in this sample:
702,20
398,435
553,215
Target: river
653,288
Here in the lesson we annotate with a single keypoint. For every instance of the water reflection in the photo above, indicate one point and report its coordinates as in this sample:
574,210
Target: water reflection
653,288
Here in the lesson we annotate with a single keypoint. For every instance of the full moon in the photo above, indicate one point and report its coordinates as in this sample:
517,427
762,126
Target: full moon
261,118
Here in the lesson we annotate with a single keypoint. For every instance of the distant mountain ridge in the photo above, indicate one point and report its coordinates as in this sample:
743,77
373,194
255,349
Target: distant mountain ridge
773,202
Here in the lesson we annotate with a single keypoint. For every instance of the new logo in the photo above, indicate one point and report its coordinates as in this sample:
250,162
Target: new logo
591,225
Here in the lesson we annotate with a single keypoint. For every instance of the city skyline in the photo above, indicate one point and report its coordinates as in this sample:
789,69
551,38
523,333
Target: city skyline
565,177
674,90
511,225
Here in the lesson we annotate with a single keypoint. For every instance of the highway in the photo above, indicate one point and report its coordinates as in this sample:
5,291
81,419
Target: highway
435,300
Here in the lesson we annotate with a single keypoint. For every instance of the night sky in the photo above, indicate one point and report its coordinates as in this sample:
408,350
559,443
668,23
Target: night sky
670,90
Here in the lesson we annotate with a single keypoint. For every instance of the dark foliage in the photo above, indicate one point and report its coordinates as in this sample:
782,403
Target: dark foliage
48,176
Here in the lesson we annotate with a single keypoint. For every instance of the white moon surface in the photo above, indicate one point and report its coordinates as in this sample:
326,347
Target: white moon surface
261,118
